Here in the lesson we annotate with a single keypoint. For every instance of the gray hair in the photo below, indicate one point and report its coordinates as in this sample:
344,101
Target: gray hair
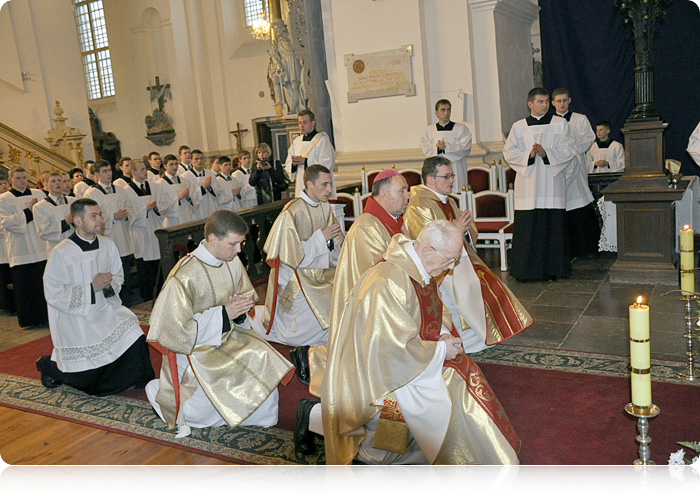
438,233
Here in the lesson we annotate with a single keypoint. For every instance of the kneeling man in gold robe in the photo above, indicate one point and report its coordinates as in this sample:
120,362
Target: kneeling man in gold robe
215,369
484,311
364,245
414,397
302,251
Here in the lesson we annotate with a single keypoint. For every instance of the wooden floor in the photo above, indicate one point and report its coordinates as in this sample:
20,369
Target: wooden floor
30,439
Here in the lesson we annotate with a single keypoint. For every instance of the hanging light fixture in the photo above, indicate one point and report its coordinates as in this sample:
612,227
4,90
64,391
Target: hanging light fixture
261,26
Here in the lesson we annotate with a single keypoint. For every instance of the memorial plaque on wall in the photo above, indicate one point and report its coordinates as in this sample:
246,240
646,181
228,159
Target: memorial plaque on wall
377,74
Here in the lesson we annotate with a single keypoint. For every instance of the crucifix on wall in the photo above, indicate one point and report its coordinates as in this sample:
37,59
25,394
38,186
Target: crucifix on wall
238,133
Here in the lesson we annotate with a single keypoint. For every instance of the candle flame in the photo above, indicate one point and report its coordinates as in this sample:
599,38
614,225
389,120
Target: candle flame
686,226
639,300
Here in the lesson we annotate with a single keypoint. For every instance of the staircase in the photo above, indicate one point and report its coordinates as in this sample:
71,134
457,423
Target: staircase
17,149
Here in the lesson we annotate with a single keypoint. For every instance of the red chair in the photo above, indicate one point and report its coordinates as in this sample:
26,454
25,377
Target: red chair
480,178
494,214
413,177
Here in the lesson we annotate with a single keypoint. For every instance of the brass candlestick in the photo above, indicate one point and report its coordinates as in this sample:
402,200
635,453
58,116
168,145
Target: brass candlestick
689,374
643,414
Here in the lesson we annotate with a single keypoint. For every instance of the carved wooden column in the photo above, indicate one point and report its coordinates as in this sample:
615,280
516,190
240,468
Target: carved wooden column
645,212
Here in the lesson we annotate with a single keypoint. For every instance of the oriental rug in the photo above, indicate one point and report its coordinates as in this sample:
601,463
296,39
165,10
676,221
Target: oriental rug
566,406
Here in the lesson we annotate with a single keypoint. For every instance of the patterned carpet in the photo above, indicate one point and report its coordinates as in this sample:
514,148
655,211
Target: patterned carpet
256,445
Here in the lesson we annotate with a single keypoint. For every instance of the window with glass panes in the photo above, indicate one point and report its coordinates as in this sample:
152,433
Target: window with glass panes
94,47
253,9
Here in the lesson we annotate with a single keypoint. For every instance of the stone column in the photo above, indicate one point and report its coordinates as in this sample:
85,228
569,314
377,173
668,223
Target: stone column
502,55
306,34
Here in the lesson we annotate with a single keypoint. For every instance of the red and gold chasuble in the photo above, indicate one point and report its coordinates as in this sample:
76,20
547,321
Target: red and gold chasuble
496,299
477,385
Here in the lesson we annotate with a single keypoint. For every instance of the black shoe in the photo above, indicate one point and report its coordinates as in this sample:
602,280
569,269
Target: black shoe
300,359
303,437
42,365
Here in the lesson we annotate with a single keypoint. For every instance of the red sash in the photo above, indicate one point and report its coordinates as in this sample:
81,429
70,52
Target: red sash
468,370
392,225
496,299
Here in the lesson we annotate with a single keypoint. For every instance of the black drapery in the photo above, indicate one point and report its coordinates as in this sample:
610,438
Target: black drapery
587,48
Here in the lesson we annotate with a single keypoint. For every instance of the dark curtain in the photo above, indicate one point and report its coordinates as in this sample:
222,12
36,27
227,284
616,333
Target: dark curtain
587,48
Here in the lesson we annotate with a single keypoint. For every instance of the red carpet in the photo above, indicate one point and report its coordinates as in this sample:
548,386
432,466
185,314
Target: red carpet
561,418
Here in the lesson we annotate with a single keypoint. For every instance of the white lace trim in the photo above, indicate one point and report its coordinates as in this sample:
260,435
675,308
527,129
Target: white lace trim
76,299
608,234
79,353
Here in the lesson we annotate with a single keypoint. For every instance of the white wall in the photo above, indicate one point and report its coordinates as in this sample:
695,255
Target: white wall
215,69
39,37
364,26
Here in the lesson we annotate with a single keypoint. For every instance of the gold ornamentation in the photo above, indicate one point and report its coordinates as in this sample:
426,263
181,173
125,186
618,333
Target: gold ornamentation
14,155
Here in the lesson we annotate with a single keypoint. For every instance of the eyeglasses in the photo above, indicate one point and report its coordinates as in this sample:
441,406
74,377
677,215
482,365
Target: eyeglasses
446,176
449,261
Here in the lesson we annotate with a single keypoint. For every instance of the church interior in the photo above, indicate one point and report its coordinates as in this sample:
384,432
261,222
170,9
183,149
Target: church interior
102,79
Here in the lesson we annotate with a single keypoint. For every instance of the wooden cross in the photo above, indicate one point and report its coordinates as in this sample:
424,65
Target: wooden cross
237,133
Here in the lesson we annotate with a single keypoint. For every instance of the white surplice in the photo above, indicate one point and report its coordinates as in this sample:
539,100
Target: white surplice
203,201
578,194
174,211
694,144
458,144
117,230
86,335
540,185
322,153
143,223
22,242
80,189
248,196
227,200
48,217
614,155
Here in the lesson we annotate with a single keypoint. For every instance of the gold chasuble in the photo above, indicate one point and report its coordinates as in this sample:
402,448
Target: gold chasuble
485,303
365,244
296,223
385,339
236,376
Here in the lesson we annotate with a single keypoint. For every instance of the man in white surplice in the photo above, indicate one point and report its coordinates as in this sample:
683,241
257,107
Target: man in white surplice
310,148
203,187
452,140
112,202
144,218
99,347
173,195
51,215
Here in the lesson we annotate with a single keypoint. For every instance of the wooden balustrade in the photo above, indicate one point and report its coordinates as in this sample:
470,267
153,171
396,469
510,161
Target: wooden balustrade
178,240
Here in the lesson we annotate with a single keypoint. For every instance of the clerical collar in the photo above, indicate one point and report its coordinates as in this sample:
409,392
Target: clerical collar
308,199
441,197
446,127
83,243
538,121
310,136
603,144
205,255
411,250
26,192
566,116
